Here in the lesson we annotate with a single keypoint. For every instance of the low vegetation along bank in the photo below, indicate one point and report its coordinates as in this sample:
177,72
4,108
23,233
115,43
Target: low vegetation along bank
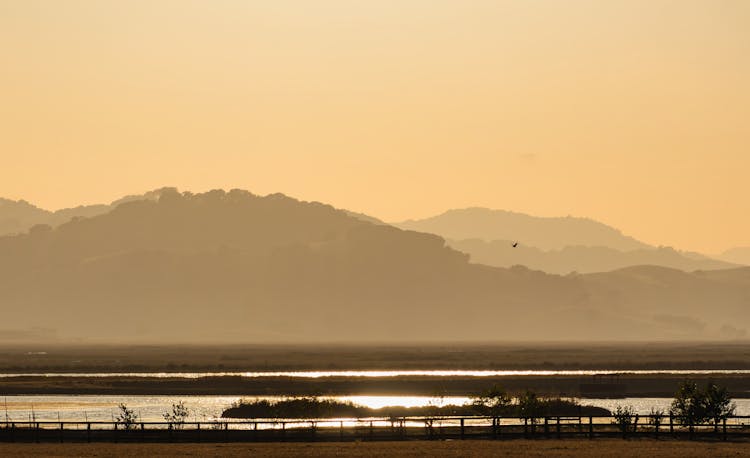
313,407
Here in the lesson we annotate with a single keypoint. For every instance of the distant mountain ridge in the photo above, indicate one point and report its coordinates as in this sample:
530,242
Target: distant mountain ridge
237,267
554,245
17,217
20,216
737,255
545,233
582,259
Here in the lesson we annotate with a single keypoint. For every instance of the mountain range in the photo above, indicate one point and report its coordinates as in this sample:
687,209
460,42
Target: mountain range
554,245
237,267
737,255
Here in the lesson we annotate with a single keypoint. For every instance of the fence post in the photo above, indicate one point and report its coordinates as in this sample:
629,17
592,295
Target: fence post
62,427
724,429
558,427
657,422
525,427
546,427
143,432
671,425
283,430
88,432
462,429
494,427
341,431
13,432
635,423
114,431
36,432
199,431
591,427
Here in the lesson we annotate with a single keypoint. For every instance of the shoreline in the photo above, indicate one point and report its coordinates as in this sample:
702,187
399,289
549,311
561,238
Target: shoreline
565,386
594,356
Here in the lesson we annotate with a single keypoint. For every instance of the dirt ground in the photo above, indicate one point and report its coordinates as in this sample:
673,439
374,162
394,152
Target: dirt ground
520,448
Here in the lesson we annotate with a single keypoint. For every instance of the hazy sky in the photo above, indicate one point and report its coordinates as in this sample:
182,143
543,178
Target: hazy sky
635,113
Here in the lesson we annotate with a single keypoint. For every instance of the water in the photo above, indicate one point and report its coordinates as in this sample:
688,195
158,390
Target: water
207,408
381,373
152,408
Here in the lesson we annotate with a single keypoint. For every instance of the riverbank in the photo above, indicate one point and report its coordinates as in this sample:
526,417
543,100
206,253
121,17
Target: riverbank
58,357
520,448
567,386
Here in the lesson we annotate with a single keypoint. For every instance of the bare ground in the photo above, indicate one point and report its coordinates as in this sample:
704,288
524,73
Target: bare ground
522,448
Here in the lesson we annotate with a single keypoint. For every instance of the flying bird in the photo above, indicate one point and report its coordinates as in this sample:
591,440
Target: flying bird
515,244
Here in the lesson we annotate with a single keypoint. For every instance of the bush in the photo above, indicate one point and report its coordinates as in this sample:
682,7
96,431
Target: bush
493,402
530,406
177,416
623,417
126,417
655,417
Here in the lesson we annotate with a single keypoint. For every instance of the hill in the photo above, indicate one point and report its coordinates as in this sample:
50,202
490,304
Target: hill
737,255
237,267
553,245
540,232
17,217
582,259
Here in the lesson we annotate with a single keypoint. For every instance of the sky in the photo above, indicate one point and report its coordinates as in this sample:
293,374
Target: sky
633,113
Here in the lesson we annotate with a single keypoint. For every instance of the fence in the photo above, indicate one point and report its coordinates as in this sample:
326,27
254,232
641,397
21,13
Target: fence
374,429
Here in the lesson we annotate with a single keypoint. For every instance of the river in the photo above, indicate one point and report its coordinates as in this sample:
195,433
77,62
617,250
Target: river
206,408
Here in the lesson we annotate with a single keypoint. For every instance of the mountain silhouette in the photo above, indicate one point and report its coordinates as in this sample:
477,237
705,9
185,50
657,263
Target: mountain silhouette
554,245
737,255
238,267
540,232
582,259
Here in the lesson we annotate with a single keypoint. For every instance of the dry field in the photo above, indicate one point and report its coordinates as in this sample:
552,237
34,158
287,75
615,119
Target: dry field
520,448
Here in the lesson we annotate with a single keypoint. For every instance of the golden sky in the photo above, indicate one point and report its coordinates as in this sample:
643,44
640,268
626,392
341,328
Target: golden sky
634,113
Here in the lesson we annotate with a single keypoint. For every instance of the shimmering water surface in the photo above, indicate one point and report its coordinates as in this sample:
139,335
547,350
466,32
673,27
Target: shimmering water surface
381,373
207,408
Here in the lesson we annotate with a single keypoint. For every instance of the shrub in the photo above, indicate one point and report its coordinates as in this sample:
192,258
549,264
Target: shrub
530,406
177,416
126,417
623,417
493,402
655,417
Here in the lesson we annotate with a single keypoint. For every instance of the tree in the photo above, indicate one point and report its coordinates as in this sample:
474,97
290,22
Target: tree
530,406
493,402
623,417
176,418
692,405
126,417
717,405
687,406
